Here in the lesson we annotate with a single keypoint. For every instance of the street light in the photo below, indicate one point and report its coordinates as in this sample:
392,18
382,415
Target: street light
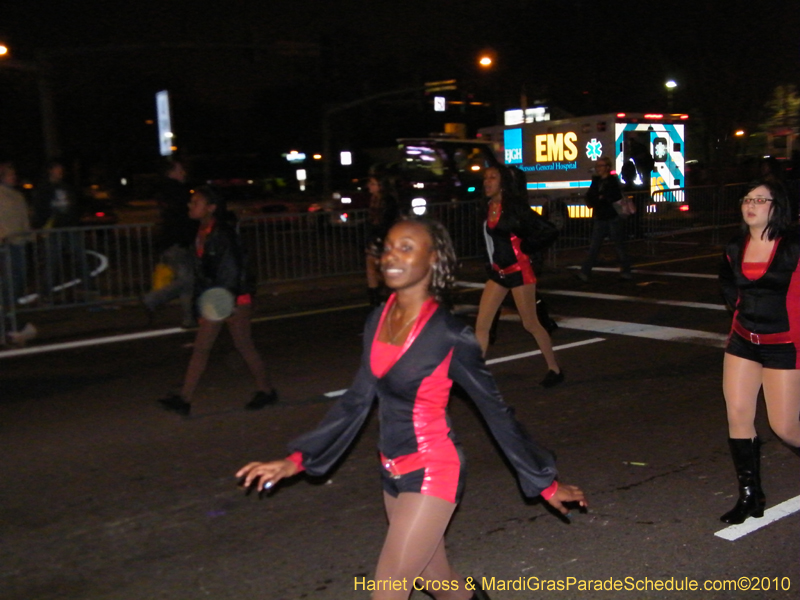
670,85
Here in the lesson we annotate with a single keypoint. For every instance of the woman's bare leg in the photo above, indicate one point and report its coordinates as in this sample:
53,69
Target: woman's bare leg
239,324
207,333
491,299
782,396
741,381
525,299
414,547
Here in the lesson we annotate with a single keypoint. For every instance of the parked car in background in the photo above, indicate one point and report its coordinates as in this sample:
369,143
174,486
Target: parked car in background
98,206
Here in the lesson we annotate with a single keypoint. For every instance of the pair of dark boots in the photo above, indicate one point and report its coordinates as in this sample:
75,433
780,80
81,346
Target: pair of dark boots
746,456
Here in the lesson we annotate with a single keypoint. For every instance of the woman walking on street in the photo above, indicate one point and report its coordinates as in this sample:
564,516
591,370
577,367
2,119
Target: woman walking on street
760,278
511,238
220,263
414,349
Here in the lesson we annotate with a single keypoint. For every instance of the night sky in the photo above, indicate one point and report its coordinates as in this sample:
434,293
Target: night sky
254,77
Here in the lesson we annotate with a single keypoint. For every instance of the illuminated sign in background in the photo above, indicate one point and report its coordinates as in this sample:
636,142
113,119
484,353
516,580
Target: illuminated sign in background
512,143
164,123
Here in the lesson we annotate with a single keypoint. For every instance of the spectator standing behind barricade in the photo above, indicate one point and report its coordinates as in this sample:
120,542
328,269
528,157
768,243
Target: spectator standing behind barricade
14,224
220,262
602,193
55,206
760,279
175,244
383,211
513,232
414,350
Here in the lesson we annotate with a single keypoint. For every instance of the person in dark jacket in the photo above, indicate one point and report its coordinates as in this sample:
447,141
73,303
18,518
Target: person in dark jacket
414,350
602,193
175,243
57,206
384,210
220,262
512,236
760,279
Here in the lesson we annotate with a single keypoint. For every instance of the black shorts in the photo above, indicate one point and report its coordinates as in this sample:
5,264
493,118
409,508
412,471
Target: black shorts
449,484
770,356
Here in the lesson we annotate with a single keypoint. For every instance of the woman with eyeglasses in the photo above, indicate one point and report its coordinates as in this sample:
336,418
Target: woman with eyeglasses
760,279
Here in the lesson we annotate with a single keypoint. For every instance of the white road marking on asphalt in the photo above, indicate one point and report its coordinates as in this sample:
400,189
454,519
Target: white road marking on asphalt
784,509
646,272
501,359
92,342
619,298
653,332
613,297
148,334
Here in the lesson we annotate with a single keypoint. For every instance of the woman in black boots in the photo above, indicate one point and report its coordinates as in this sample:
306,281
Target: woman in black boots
760,278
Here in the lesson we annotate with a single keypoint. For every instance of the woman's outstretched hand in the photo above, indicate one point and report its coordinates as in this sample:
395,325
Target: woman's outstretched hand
567,493
264,475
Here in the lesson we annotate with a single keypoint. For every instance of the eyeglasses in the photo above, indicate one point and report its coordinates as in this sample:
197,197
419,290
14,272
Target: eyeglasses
748,200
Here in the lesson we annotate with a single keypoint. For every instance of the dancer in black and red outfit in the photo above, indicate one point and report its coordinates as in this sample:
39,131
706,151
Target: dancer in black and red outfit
220,262
760,278
414,349
511,238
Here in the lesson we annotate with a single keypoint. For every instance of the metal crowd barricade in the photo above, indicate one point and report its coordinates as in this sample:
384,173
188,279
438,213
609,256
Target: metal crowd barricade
7,309
75,267
85,265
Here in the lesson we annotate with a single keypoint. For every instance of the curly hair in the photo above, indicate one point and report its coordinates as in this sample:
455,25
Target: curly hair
443,274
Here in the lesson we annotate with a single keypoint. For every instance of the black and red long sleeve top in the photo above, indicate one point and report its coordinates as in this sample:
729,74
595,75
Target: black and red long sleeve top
770,303
413,407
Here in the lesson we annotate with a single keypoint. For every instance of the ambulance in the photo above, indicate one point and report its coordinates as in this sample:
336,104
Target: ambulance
558,156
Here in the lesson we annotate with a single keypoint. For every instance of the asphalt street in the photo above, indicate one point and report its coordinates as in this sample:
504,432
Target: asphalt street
105,496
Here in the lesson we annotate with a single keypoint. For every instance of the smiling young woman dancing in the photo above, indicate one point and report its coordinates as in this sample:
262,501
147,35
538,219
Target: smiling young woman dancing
760,278
414,349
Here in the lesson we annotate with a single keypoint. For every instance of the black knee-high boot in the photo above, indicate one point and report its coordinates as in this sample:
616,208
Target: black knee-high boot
746,456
